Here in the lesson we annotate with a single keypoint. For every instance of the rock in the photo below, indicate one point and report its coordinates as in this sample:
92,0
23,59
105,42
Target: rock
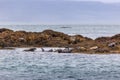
102,39
94,48
82,48
4,29
50,38
78,39
117,36
79,49
72,38
102,50
118,51
55,34
22,39
55,39
9,48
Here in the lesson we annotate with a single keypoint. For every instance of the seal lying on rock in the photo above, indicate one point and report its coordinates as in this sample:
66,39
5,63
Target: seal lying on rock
31,49
66,50
113,44
43,50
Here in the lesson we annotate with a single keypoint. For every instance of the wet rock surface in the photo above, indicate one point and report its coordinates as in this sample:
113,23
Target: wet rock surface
50,38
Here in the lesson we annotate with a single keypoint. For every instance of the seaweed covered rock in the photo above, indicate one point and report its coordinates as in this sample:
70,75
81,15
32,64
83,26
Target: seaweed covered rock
79,39
4,29
50,38
79,50
102,39
55,39
116,36
55,34
102,50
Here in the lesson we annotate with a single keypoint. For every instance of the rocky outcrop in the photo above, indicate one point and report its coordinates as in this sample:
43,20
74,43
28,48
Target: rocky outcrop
50,38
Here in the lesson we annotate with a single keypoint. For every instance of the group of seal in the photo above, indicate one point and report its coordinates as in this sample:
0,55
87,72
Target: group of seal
66,50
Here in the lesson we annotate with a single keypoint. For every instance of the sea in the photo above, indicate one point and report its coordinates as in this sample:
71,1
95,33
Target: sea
19,65
92,31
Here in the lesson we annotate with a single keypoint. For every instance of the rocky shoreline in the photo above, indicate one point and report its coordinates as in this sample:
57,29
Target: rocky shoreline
50,38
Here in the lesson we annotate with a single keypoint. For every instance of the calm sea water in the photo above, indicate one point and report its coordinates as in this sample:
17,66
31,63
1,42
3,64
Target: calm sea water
92,31
19,65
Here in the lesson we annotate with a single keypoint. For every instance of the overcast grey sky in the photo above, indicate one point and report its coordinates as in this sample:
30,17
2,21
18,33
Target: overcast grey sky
105,1
59,12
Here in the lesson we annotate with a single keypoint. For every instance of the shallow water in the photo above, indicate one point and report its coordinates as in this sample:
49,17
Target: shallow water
19,65
92,31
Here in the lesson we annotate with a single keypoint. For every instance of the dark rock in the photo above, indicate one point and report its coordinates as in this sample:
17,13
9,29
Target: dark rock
117,36
4,29
102,39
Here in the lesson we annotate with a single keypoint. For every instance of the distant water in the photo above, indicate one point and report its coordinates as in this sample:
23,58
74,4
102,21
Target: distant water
92,31
19,65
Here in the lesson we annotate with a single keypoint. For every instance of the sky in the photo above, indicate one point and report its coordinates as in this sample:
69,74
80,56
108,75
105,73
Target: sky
105,1
59,12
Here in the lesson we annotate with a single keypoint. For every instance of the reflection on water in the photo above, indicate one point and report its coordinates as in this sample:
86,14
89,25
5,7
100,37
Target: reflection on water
19,65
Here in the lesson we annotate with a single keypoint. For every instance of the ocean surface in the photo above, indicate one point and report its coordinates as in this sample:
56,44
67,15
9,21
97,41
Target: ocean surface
19,65
92,31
